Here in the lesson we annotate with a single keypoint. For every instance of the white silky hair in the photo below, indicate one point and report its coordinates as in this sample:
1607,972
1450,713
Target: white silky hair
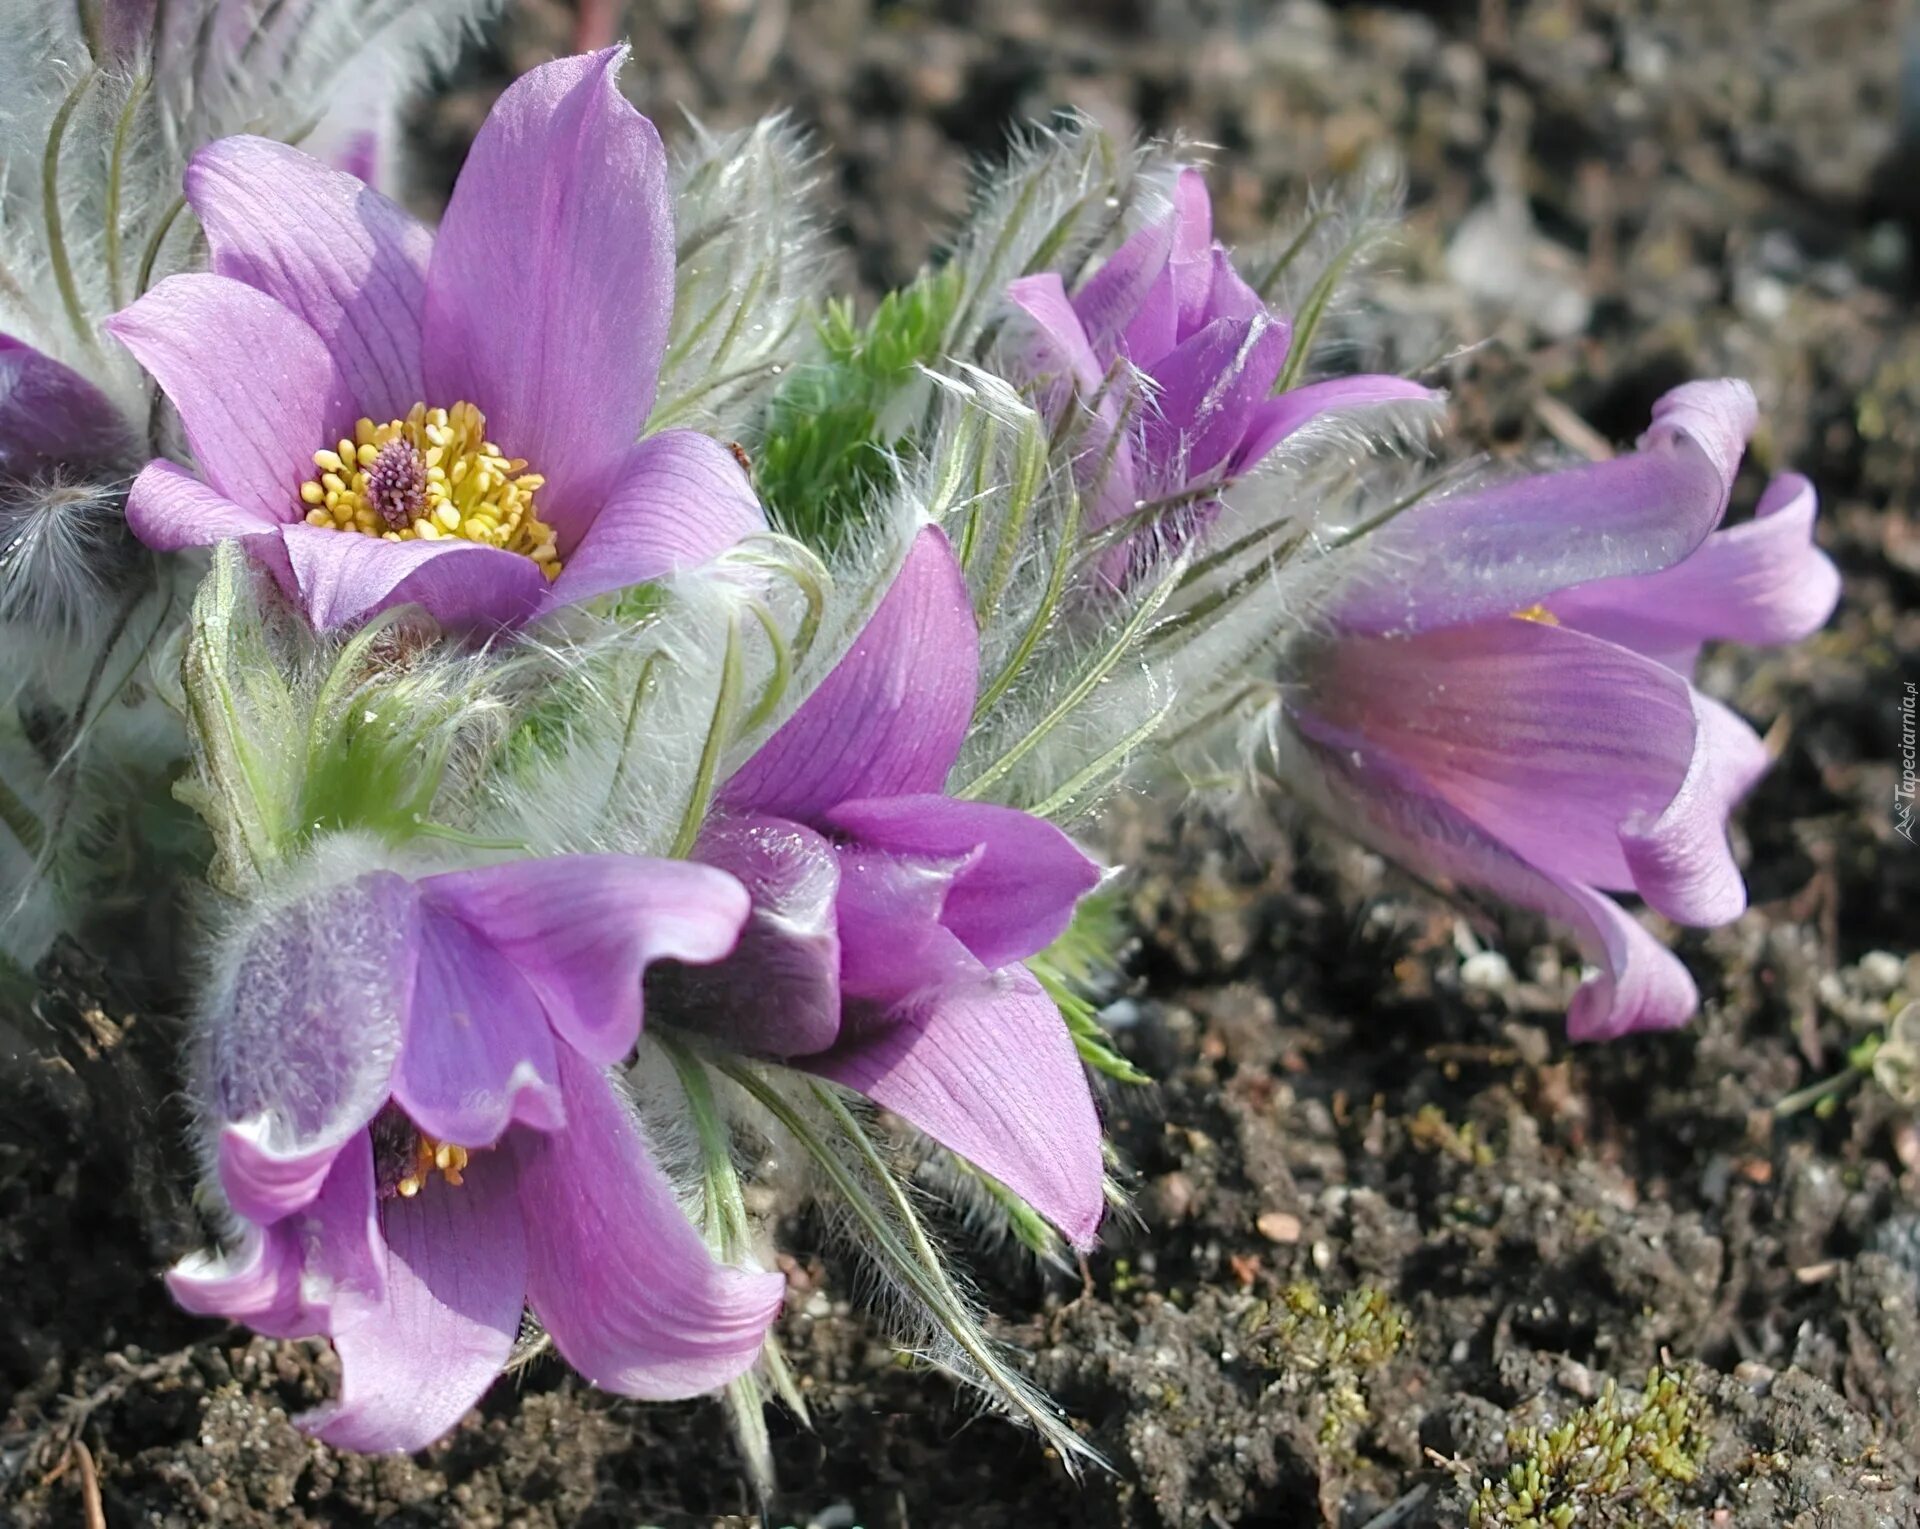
751,275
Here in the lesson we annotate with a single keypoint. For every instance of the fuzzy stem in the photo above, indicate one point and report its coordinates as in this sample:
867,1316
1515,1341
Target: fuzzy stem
719,733
116,176
1307,323
1265,285
1043,613
927,1282
50,206
151,256
1081,688
1081,782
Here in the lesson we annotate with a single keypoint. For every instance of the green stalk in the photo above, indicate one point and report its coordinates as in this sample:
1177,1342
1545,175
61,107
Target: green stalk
50,208
719,734
116,175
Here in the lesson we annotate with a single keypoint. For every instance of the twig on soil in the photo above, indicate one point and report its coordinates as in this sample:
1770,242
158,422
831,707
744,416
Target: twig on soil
1399,1512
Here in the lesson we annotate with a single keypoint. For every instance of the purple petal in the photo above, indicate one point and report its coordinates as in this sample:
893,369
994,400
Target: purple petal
168,508
680,501
889,720
1230,297
342,577
778,994
50,413
479,1055
990,1072
456,1276
1176,304
1501,549
352,264
256,388
892,943
1050,343
1209,389
1680,860
618,1274
551,285
1277,418
1112,297
1639,984
1547,738
1019,876
300,1043
1760,582
288,1280
579,930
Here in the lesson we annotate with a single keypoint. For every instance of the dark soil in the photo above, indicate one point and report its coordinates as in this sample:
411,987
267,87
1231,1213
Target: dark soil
1365,1110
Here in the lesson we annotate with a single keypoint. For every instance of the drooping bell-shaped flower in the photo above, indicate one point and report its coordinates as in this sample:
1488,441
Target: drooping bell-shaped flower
403,1081
1503,697
890,920
1169,305
390,416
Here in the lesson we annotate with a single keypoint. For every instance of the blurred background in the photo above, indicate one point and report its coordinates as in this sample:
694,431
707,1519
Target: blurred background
1391,1229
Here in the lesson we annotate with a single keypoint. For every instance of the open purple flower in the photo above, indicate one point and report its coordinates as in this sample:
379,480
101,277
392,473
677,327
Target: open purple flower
1169,304
412,1125
1505,702
343,376
890,920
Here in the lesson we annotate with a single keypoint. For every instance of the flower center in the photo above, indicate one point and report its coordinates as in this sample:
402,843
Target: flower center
429,476
405,1158
1539,613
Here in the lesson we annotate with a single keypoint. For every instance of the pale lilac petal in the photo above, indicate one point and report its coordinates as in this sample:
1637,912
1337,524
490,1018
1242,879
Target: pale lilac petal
1111,298
479,1054
890,718
300,1044
350,262
414,1361
579,930
1680,860
50,413
618,1275
256,389
1209,389
1638,984
1051,343
1193,262
342,577
1497,550
1277,418
1018,880
1230,297
892,942
294,1278
989,1071
680,501
778,994
1759,583
1053,340
168,508
1547,738
551,284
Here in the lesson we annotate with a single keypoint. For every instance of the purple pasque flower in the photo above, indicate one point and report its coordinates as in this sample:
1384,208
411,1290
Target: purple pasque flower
1170,305
1504,700
405,1085
890,920
52,417
340,370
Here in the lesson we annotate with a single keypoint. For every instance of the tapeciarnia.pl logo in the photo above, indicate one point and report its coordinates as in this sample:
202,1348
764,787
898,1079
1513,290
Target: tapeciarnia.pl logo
1903,793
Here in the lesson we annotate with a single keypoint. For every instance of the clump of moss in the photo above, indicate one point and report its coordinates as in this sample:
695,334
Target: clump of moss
1431,1131
1330,1351
1616,1462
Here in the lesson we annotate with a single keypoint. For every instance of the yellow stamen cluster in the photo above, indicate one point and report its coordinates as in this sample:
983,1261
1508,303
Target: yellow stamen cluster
1537,613
431,1157
431,475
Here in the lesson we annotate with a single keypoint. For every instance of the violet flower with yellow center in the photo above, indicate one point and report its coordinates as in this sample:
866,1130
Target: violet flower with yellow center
389,416
402,1085
1504,699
